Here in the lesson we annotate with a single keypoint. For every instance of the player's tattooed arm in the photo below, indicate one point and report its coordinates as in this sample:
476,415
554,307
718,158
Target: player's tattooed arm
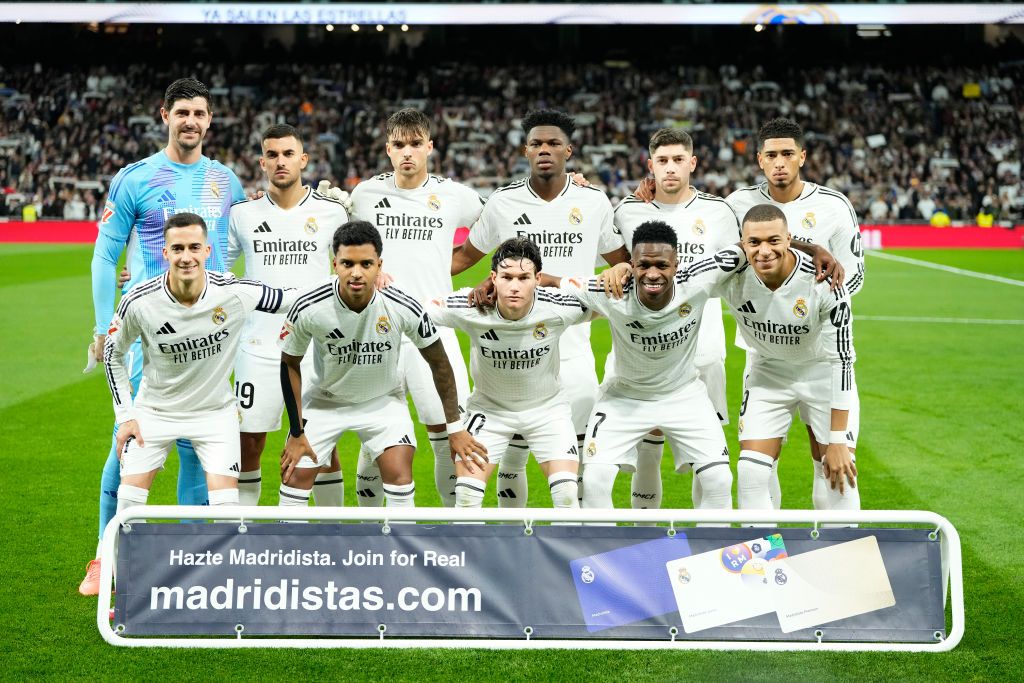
297,445
825,264
482,296
464,447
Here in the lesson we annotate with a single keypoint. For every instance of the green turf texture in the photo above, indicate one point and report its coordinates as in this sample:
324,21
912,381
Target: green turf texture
941,430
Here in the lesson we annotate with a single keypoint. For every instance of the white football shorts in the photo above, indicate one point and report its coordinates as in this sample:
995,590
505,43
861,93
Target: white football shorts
379,423
214,436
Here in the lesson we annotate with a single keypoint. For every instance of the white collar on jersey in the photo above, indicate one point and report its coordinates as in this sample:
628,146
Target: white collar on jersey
337,295
166,282
568,184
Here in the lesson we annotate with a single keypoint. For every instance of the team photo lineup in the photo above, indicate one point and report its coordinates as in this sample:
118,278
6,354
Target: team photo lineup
205,362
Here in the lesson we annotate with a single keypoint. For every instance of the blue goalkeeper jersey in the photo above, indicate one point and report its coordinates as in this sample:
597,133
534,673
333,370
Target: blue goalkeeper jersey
141,198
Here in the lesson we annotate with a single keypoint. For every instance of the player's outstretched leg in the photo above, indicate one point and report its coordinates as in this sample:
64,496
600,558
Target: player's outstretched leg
444,468
646,487
191,478
329,486
369,486
513,489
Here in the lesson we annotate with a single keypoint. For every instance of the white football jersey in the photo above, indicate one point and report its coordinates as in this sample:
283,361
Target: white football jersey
283,248
418,228
514,363
187,351
820,215
357,354
655,350
801,322
704,225
572,231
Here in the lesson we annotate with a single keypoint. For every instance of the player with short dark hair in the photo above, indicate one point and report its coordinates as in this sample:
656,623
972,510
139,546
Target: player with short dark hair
140,199
357,332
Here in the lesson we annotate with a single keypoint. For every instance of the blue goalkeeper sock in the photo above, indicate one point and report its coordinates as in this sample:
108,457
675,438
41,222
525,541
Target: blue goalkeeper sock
109,482
191,478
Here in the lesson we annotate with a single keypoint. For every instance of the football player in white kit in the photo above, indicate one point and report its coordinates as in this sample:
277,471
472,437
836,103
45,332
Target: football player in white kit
357,333
802,333
285,237
572,226
417,214
655,383
815,214
190,321
704,224
515,366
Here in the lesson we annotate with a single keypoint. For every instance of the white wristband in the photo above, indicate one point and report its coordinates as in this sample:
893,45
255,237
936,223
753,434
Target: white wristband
837,437
454,427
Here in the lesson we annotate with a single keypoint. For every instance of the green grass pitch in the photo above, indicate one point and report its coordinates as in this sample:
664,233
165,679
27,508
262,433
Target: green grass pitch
941,430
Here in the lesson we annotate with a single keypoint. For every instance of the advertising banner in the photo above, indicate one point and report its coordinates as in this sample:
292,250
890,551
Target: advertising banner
558,582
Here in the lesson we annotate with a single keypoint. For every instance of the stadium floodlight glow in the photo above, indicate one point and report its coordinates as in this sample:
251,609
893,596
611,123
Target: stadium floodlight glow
380,27
355,27
943,532
758,27
405,27
329,27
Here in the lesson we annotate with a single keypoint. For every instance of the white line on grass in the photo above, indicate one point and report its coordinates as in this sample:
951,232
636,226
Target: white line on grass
948,269
961,321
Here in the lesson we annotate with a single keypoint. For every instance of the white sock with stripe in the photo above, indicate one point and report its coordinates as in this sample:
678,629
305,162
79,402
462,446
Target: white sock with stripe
329,489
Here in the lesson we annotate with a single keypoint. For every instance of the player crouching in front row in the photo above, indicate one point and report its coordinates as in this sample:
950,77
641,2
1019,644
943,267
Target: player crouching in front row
357,333
514,364
190,322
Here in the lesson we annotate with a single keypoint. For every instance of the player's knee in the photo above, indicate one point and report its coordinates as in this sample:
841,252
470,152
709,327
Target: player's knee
715,479
564,489
469,492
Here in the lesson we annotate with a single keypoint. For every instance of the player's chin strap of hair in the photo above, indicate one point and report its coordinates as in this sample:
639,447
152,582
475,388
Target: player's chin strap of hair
295,426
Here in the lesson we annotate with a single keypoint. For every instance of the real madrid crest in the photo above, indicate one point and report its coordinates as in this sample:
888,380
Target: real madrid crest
800,308
809,220
685,310
433,203
699,228
383,326
684,575
540,331
220,316
575,216
215,189
311,227
591,449
739,426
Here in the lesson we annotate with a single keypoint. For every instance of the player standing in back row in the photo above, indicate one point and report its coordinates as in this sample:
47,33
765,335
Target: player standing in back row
572,225
815,214
285,237
142,196
417,214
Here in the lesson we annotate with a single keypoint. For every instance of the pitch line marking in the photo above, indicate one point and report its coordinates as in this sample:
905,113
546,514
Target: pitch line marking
961,321
948,269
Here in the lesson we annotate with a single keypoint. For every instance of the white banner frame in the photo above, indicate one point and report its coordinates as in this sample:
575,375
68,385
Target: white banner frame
952,562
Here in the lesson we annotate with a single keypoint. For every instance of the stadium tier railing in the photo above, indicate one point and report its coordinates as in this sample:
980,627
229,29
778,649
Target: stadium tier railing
942,530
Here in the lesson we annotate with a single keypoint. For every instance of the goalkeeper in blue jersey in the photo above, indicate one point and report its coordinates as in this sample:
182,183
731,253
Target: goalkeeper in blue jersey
141,197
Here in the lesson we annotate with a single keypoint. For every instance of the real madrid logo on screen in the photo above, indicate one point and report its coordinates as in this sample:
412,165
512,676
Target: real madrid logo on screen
575,216
809,220
219,316
685,310
699,228
215,189
383,326
434,203
311,227
684,575
540,331
800,308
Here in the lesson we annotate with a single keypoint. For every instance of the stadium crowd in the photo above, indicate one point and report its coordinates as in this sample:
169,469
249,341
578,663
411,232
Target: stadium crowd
902,144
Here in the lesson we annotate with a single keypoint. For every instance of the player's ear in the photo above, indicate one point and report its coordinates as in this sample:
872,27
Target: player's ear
803,157
568,151
163,115
693,163
430,146
302,163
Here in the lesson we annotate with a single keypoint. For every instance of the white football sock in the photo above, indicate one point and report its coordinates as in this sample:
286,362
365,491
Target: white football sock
400,495
444,468
223,497
469,492
754,472
249,487
563,490
513,489
289,496
130,496
774,487
329,489
646,487
818,496
369,485
598,481
715,481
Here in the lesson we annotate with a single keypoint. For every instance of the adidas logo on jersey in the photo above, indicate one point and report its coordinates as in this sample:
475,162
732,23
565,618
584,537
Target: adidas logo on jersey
262,227
636,325
335,334
573,452
383,204
165,329
522,220
490,334
748,307
404,441
234,467
167,197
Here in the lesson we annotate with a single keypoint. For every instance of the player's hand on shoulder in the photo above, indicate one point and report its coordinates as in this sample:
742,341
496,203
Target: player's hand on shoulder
614,279
579,179
828,266
295,449
839,467
336,193
124,276
645,190
258,194
383,280
471,452
128,431
482,296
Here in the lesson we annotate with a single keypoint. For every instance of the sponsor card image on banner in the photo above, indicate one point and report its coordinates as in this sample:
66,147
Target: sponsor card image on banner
726,585
836,582
628,584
